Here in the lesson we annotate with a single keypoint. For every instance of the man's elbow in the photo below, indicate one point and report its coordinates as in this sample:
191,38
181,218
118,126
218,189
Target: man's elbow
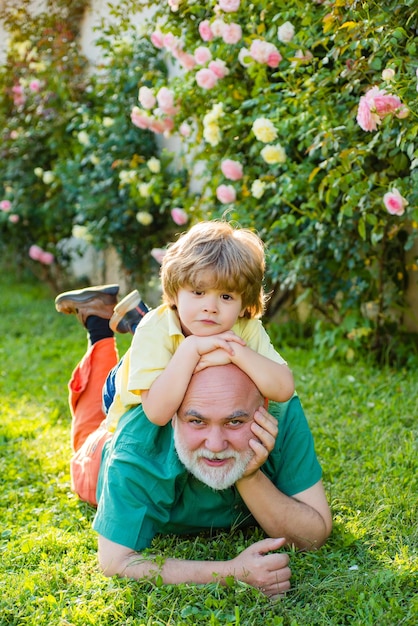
112,558
320,537
108,567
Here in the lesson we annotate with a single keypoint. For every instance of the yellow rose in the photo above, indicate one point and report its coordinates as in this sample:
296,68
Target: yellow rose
212,134
144,218
258,188
273,154
154,165
264,130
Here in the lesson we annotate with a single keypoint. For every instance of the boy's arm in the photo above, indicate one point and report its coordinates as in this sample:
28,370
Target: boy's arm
275,381
166,393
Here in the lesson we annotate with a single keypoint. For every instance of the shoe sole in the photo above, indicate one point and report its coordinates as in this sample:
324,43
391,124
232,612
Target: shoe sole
127,303
89,293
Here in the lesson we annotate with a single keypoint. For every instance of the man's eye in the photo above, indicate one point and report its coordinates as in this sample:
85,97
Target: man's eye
196,422
235,422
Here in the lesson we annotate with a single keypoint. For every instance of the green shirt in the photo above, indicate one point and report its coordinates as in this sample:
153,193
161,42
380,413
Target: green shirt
144,489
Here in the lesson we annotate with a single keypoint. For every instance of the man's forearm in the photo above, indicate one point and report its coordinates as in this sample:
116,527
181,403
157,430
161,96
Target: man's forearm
279,515
259,565
117,560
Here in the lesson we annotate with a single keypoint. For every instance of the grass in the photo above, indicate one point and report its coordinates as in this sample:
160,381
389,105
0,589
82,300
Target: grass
364,422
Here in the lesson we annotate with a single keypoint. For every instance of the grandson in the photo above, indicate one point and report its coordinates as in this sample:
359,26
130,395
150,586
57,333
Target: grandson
212,282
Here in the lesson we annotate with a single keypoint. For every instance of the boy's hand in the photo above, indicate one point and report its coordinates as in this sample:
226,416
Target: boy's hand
216,357
204,345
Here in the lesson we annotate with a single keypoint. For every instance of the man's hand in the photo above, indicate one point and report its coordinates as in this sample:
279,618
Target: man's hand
269,573
265,428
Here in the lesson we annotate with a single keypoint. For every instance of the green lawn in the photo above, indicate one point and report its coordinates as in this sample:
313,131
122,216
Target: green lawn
364,421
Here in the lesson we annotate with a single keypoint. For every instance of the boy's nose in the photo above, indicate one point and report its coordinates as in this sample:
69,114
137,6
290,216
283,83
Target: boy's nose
210,305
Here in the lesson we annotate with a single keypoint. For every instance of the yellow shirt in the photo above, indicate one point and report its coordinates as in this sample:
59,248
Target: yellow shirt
155,341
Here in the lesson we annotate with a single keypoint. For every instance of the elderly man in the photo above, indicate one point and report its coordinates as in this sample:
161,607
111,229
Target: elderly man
223,462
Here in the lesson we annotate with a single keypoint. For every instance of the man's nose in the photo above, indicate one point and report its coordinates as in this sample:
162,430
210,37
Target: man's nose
215,440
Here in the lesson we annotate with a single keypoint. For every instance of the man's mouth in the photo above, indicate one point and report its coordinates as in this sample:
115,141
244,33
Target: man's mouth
215,462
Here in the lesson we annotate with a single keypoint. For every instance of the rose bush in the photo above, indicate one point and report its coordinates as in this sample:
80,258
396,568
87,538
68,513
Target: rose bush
315,105
72,161
318,105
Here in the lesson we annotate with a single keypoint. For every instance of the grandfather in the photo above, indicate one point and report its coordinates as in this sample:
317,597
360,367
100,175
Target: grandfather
225,461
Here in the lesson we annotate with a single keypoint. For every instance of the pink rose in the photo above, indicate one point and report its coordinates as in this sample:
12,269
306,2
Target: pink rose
274,58
205,31
18,95
217,27
403,112
35,85
146,97
168,126
165,99
232,169
35,252
157,39
156,126
140,119
187,61
232,33
5,205
226,194
367,120
179,216
185,129
14,218
385,104
302,57
158,254
47,258
377,104
206,78
202,55
395,203
219,68
265,52
229,6
171,42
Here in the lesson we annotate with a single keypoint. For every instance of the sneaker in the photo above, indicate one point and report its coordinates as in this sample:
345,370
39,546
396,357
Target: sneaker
99,300
128,313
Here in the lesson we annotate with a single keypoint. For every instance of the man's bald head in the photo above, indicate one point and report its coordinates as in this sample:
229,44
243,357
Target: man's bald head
222,384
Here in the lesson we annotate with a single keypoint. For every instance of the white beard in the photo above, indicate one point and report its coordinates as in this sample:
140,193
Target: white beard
217,478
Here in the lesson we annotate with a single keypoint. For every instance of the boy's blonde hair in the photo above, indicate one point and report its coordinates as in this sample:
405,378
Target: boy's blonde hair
234,258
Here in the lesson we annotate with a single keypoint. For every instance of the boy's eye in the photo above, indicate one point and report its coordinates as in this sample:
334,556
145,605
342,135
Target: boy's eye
226,296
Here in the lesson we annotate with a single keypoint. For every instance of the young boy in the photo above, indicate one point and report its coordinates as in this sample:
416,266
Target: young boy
212,282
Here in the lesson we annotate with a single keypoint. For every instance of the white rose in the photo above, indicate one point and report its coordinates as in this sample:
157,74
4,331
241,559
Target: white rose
286,32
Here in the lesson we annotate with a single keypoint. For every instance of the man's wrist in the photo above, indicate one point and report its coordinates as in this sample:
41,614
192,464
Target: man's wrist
248,479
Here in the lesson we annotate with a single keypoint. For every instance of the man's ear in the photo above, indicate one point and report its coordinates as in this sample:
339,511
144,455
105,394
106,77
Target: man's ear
266,404
173,420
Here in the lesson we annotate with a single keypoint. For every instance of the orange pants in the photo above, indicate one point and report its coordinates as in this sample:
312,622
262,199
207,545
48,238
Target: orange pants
88,433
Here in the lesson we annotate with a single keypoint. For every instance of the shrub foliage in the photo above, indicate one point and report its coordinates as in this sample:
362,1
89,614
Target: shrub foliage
296,119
